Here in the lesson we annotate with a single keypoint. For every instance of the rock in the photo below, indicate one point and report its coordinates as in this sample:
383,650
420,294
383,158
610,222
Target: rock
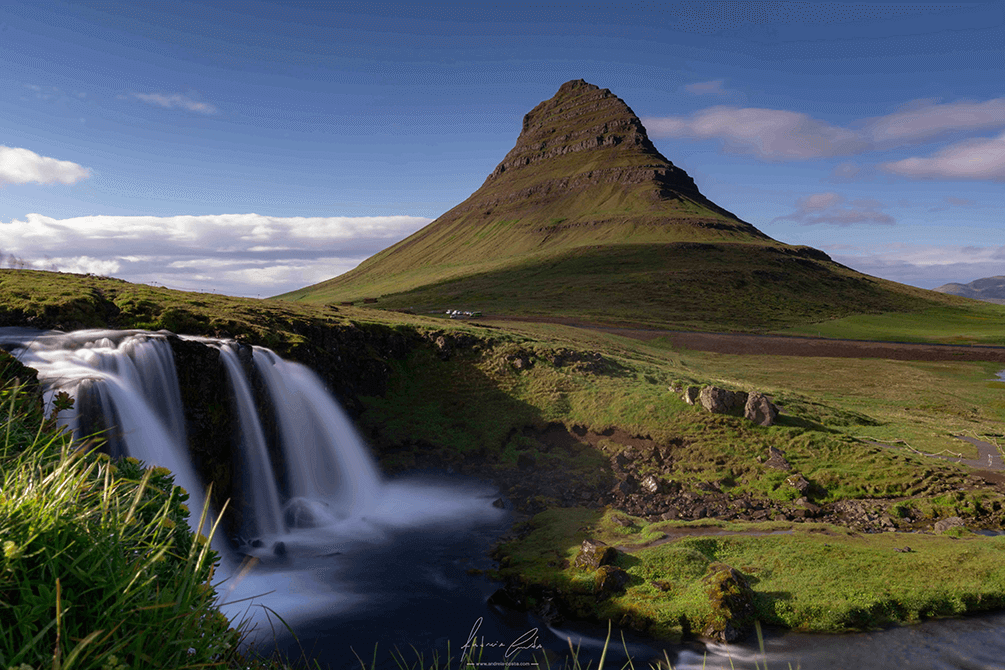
732,602
652,485
721,401
624,487
511,599
776,459
948,523
691,394
760,410
610,579
498,502
594,554
443,348
810,510
520,360
716,400
798,482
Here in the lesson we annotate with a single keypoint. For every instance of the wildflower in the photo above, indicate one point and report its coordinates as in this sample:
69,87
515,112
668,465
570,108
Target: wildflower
160,470
167,523
133,460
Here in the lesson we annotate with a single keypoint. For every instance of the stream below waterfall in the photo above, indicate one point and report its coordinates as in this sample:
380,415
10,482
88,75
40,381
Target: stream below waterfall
353,560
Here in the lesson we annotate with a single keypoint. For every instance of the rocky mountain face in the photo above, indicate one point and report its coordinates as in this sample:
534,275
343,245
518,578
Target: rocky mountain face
612,147
988,289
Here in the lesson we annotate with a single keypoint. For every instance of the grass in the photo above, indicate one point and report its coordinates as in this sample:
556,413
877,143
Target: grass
807,577
99,568
478,404
685,286
972,322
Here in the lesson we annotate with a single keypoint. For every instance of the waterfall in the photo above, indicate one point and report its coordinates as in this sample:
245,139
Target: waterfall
327,464
126,382
265,496
130,376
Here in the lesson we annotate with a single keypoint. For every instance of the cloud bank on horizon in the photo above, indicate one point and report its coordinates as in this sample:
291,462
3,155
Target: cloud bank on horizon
246,255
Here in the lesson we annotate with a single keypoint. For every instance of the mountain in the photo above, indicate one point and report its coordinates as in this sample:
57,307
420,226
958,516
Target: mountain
585,218
988,289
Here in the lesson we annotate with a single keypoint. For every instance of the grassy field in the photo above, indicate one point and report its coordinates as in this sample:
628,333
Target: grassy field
489,392
808,577
972,322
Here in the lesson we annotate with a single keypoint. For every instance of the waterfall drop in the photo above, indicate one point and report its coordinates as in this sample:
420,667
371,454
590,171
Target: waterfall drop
126,388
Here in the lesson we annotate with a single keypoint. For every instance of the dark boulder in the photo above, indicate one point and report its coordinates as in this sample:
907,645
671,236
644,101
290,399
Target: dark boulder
593,554
610,579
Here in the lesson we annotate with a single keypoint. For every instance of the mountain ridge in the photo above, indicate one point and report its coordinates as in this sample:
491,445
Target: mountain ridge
987,289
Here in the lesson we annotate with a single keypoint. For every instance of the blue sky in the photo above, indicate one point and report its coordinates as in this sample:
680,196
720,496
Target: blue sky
253,148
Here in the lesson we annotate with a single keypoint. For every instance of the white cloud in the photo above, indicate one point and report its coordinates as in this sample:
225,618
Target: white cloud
769,134
925,119
237,254
927,266
714,87
20,166
782,135
170,100
828,208
978,159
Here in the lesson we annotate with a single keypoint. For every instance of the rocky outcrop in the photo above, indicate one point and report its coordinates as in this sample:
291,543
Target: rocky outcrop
754,406
609,580
949,523
732,602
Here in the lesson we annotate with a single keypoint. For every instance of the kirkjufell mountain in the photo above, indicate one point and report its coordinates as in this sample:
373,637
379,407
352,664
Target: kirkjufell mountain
585,218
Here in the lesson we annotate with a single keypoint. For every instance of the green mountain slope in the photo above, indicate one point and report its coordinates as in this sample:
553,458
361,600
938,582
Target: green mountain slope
584,217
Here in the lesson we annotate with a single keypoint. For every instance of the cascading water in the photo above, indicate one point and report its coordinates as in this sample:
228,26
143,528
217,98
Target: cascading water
265,496
331,537
130,376
330,477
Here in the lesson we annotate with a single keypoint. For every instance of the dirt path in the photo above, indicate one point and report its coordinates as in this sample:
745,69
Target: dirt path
782,345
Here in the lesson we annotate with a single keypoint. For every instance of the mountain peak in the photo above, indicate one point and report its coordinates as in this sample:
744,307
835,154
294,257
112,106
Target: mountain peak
590,136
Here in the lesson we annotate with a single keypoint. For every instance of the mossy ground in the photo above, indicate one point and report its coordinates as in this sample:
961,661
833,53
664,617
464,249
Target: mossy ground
808,577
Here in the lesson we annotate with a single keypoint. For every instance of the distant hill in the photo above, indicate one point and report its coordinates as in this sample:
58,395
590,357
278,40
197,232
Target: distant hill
989,289
584,217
